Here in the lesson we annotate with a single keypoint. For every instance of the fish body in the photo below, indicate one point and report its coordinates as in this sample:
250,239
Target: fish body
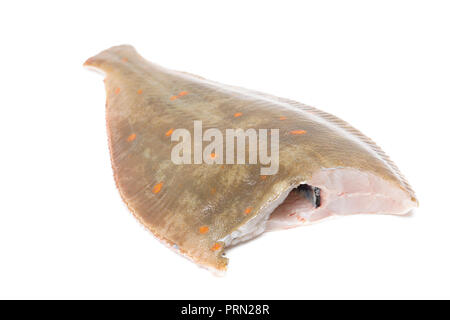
325,167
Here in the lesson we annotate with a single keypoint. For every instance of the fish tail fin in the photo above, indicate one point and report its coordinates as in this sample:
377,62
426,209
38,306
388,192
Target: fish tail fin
112,58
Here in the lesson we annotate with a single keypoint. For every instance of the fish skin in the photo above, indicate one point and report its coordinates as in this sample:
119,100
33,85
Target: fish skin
140,111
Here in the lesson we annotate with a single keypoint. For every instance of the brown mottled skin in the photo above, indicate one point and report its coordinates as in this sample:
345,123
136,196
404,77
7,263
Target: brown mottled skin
215,196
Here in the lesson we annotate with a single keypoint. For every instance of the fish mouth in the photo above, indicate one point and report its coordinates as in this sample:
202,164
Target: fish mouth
329,193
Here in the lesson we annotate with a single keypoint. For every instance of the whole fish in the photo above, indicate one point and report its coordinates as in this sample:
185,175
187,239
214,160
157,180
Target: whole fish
199,200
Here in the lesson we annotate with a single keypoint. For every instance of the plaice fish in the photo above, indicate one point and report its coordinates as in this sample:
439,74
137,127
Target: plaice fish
325,167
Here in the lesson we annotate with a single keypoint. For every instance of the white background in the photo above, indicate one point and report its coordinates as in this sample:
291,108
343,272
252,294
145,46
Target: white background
384,66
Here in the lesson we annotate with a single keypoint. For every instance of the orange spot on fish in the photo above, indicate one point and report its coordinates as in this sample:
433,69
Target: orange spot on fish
157,188
248,210
213,190
139,91
292,214
298,132
283,118
216,247
213,155
203,229
182,93
301,219
131,137
238,114
168,133
117,91
263,177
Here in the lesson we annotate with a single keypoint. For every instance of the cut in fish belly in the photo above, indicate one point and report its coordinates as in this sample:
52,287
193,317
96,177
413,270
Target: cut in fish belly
326,167
335,192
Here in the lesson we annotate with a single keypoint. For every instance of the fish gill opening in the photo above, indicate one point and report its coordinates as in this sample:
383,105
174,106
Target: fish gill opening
297,208
309,192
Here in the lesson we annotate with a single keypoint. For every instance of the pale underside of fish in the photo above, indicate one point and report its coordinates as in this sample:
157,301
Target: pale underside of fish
326,167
